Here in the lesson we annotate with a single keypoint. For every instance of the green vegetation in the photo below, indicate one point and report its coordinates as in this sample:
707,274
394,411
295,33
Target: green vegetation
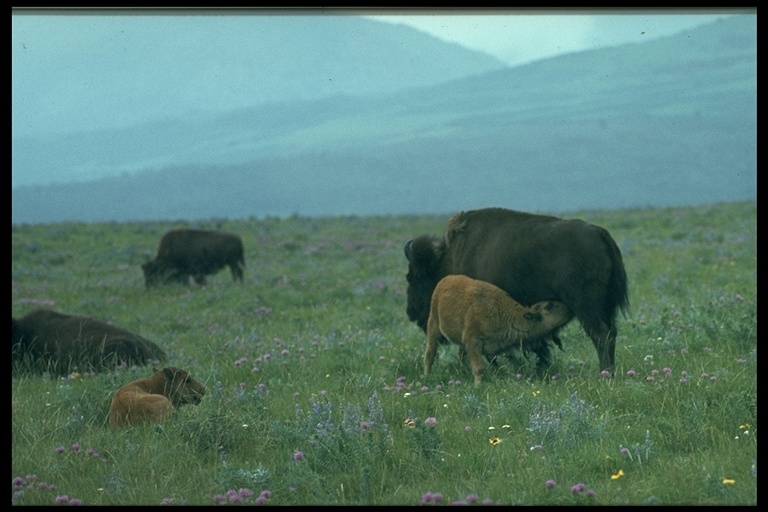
315,392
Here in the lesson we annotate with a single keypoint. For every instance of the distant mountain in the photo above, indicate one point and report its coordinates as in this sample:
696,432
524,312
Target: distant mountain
666,122
215,63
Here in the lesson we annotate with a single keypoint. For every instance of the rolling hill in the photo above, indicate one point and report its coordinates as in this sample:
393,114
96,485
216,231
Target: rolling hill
667,122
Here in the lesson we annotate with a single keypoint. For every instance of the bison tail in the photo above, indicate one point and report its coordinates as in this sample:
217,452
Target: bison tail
618,287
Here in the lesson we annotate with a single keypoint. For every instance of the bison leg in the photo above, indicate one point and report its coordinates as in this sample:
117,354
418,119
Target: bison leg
604,338
544,356
237,271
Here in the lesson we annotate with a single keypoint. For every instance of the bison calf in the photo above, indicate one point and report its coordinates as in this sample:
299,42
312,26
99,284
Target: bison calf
185,253
45,340
153,399
484,321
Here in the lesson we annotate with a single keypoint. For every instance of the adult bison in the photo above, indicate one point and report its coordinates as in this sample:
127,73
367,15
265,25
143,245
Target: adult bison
533,258
58,343
196,253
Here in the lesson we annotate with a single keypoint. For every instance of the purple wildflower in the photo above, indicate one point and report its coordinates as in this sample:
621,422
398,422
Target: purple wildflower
430,421
60,449
297,456
62,498
578,488
550,483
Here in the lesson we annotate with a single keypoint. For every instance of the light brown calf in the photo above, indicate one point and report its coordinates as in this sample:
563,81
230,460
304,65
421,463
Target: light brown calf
154,398
485,322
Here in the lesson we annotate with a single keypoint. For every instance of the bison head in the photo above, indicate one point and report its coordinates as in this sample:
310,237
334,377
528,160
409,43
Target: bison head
152,273
183,388
424,256
155,273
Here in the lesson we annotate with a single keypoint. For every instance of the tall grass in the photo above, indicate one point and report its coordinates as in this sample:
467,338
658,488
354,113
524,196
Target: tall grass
315,392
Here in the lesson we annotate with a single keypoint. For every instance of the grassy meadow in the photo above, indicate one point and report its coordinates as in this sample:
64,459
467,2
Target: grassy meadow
314,386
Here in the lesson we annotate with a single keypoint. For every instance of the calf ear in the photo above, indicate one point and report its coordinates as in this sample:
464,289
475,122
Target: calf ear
169,374
531,315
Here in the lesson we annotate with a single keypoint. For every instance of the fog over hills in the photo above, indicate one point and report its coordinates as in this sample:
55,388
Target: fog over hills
665,122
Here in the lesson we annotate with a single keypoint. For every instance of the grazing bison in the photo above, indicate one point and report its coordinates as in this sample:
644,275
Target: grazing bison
533,258
45,340
484,321
155,398
196,253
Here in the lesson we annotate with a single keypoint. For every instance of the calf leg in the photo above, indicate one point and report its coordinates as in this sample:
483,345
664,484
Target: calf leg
473,348
433,335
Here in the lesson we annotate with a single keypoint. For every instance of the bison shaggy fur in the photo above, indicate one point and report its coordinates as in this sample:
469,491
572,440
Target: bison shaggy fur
195,253
486,322
533,258
155,398
59,343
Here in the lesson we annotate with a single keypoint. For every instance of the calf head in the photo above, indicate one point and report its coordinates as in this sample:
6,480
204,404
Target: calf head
181,388
552,314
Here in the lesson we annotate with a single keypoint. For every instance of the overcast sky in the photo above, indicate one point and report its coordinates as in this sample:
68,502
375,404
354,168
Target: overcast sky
517,36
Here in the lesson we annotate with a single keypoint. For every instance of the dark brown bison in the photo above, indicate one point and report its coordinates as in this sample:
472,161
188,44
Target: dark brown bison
154,398
47,341
533,258
486,322
195,253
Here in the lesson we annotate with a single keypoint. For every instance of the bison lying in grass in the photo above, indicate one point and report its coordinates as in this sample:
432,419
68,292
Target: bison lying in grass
185,253
484,321
58,343
155,398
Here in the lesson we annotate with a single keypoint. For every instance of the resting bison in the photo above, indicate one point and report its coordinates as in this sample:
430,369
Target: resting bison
533,258
484,321
196,253
45,340
154,398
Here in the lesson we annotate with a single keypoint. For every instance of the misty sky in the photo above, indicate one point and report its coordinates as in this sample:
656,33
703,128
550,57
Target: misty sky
52,48
520,36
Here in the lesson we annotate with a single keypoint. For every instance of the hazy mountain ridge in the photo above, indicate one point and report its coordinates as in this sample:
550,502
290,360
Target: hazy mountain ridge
597,129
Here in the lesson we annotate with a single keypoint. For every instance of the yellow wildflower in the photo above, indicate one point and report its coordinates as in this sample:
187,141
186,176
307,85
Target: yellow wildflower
409,423
494,441
617,475
728,481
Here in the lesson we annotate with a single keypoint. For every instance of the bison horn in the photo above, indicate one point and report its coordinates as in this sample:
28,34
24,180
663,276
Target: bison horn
407,249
